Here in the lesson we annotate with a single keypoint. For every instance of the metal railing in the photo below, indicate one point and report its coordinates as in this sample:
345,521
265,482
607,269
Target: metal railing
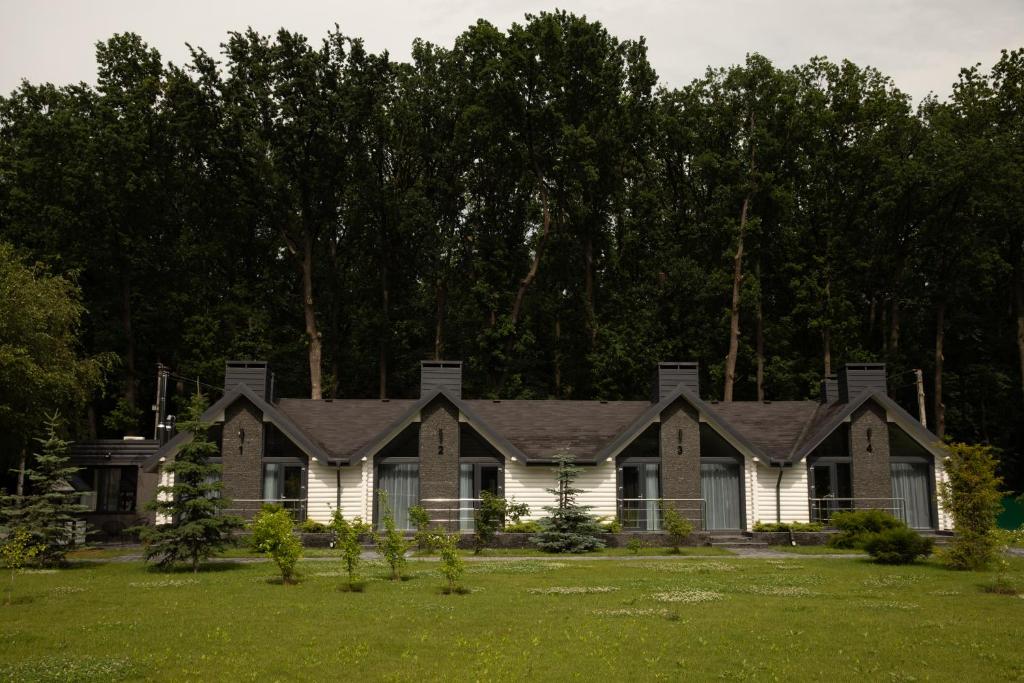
822,509
248,507
644,514
452,512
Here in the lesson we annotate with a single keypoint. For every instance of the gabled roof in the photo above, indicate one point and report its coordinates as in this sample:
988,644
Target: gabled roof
270,414
727,431
829,417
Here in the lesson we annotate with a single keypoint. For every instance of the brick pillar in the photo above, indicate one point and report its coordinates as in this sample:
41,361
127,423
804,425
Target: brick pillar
870,472
680,458
242,471
439,458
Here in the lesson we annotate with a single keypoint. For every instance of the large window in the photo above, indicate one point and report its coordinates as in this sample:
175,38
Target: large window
107,489
720,487
475,477
401,481
283,485
640,489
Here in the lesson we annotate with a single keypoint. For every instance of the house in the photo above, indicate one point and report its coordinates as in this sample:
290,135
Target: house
723,465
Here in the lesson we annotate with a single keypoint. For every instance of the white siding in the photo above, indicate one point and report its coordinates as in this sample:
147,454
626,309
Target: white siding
322,491
793,501
528,485
945,522
166,479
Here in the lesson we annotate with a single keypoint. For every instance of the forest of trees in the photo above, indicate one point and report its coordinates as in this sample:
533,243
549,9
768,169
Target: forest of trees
533,202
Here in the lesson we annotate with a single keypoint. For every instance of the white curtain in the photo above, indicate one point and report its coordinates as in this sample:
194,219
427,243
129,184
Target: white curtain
720,488
651,493
272,480
465,496
910,489
110,488
402,483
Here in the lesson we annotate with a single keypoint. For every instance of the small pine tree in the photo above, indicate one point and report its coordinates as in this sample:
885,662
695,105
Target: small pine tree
47,513
971,495
197,529
569,527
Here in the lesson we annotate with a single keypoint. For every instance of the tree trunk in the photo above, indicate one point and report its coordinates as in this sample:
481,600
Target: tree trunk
940,337
309,312
826,345
558,357
894,326
759,338
737,281
440,299
588,287
385,301
1019,305
734,314
22,463
531,275
130,394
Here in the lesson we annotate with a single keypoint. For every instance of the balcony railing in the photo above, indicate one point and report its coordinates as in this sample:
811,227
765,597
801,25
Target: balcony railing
822,509
248,507
452,512
644,514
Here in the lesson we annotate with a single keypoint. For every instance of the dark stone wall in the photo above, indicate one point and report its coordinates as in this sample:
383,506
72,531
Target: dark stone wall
869,454
439,455
243,461
680,471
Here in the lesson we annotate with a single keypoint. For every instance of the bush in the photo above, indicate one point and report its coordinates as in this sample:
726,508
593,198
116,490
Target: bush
391,544
491,516
788,526
309,526
971,495
272,533
856,526
897,546
420,519
347,535
451,565
16,551
678,527
635,545
610,525
523,527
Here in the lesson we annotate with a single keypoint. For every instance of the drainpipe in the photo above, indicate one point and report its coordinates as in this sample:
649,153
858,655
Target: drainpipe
781,464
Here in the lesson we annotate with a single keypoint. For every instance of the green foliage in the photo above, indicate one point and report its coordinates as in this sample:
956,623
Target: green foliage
311,526
490,517
420,519
16,551
391,544
857,526
788,526
452,567
636,544
50,509
124,418
897,546
273,534
611,525
348,535
678,527
197,526
970,494
569,527
522,527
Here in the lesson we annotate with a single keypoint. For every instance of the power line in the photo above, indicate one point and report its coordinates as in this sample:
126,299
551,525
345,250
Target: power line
193,379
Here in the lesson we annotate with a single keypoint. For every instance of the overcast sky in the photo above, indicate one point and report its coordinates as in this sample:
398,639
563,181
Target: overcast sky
922,44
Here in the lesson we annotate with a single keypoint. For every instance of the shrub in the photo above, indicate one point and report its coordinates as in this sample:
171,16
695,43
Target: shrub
678,527
569,527
272,533
347,535
635,545
15,552
611,525
451,566
856,526
391,544
522,527
310,526
420,519
788,526
971,495
490,517
897,546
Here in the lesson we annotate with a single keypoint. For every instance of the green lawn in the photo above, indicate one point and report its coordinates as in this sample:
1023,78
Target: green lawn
815,550
790,619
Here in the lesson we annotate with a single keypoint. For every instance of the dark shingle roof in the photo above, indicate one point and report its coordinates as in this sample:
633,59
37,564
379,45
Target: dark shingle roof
343,426
122,450
775,427
541,429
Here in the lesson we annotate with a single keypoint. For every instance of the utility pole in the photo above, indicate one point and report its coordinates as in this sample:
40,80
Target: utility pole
919,381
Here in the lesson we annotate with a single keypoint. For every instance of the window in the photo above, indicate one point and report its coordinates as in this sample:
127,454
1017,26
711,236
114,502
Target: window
401,481
107,489
720,487
640,489
474,479
831,488
282,484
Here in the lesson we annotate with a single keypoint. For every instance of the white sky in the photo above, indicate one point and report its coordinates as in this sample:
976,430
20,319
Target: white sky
922,44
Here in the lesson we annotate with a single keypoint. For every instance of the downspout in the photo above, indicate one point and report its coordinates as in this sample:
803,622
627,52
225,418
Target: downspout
782,465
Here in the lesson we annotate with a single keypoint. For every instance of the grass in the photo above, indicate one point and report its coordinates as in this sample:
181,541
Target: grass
650,619
815,550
